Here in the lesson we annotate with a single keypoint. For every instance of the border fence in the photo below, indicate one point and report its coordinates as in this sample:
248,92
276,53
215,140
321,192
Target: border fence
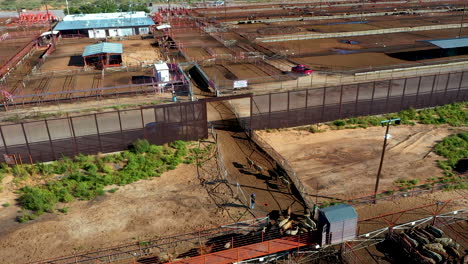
51,139
302,107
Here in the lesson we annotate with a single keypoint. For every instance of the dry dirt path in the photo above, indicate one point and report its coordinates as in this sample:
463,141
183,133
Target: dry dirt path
236,148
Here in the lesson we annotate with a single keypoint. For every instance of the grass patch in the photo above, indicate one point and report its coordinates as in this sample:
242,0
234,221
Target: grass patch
453,148
6,204
452,114
84,177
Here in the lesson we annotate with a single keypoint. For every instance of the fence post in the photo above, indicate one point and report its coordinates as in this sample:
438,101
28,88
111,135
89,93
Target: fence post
357,99
446,87
251,114
269,110
26,139
98,134
3,139
403,94
323,103
417,92
372,99
460,84
288,107
390,85
341,101
50,139
120,126
436,77
70,119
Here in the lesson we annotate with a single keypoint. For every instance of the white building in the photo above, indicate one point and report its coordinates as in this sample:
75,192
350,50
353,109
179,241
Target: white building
104,25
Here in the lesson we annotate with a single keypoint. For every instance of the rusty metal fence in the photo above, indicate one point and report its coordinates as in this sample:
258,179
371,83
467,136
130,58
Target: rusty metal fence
51,139
301,107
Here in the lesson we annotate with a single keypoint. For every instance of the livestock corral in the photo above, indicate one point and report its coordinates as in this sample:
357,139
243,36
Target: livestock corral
239,77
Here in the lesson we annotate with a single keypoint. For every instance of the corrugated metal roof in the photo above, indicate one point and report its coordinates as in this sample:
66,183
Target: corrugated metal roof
104,16
449,43
338,213
104,47
105,23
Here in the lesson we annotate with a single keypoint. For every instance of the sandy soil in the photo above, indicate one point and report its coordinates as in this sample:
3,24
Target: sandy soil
172,204
139,51
343,163
348,61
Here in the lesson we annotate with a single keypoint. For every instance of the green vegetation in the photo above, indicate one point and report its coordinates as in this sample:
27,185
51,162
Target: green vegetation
6,204
453,114
406,184
453,148
109,6
330,203
85,177
106,6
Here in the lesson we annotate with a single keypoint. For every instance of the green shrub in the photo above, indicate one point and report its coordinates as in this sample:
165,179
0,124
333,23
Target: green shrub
178,144
6,204
37,199
453,148
140,146
64,210
90,167
84,177
20,171
153,149
339,123
44,169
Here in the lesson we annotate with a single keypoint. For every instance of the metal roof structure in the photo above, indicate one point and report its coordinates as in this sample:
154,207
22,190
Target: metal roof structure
121,22
104,47
449,43
339,213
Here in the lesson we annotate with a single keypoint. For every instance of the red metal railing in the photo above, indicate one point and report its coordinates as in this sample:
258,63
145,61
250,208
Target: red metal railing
262,248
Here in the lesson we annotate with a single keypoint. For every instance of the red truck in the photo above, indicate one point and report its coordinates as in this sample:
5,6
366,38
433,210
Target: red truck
302,69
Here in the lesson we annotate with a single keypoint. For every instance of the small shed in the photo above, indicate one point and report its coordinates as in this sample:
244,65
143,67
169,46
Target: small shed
161,72
103,55
338,223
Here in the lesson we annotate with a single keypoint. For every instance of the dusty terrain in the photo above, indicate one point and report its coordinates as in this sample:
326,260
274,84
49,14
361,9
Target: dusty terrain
175,203
344,163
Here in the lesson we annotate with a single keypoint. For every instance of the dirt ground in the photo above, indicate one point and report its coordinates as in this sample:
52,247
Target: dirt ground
174,203
68,54
344,163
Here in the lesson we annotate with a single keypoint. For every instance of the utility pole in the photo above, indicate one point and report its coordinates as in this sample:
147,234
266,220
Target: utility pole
387,136
68,10
50,24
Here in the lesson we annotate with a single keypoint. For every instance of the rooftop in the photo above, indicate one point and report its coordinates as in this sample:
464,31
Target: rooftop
338,213
111,20
98,16
449,43
104,47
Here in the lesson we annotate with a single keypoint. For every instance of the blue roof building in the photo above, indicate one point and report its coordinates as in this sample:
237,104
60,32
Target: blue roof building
104,47
449,43
105,25
338,223
103,55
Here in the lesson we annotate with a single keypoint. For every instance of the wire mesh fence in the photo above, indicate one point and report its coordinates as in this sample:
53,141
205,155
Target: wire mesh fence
51,139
